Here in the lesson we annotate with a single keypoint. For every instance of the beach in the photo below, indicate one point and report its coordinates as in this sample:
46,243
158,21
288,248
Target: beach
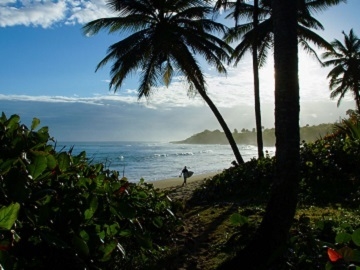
175,182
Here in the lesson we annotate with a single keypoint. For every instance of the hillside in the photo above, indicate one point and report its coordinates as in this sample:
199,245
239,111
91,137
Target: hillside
307,133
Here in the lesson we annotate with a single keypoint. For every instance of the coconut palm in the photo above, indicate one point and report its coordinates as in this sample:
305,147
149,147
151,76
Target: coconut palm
165,35
256,36
271,236
242,9
345,74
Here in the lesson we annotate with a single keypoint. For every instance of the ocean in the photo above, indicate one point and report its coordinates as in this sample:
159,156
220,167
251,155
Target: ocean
159,160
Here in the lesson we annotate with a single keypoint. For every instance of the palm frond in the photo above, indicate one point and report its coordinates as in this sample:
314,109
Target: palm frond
322,5
188,65
130,23
263,50
168,73
310,22
237,32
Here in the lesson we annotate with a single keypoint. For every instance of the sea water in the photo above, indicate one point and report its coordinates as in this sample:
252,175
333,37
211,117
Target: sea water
159,160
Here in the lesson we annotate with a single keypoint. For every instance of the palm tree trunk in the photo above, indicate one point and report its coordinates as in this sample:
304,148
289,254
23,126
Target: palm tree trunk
257,85
357,98
224,126
270,239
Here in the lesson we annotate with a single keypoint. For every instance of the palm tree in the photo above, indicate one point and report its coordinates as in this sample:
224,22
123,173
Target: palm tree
256,36
272,234
255,61
242,9
165,35
345,75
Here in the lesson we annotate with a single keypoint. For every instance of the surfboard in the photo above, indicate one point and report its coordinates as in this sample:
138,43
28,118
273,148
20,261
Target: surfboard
189,174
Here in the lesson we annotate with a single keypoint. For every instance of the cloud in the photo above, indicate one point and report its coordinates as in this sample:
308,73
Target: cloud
49,13
32,13
86,11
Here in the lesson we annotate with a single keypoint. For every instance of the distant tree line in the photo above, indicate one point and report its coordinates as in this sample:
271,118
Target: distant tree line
307,133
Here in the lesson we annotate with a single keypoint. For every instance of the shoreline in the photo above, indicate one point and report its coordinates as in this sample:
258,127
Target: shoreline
177,181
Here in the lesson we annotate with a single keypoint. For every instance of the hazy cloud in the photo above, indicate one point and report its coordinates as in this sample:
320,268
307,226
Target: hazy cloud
119,120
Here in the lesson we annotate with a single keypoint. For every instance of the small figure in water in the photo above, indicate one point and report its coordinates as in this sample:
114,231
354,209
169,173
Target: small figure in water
184,172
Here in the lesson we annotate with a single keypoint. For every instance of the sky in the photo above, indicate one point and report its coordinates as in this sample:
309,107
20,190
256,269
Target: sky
48,66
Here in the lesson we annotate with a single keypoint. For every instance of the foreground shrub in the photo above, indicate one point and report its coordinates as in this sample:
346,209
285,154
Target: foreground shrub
247,183
74,215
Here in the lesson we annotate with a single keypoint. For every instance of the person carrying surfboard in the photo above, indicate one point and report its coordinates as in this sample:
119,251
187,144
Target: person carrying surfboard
184,172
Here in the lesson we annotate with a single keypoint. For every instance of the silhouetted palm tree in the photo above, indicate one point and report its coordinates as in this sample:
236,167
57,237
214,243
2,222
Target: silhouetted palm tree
270,238
345,75
165,36
256,36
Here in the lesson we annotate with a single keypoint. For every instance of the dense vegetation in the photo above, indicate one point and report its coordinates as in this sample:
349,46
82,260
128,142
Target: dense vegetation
326,229
60,211
307,133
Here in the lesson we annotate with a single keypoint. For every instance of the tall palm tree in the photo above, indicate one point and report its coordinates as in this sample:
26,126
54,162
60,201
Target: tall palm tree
272,234
256,36
255,62
165,35
345,75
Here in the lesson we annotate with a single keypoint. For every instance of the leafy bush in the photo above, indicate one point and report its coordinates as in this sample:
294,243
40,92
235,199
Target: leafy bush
246,183
329,176
74,215
330,171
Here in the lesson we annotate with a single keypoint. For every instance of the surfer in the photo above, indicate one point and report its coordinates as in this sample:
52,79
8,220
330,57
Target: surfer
184,172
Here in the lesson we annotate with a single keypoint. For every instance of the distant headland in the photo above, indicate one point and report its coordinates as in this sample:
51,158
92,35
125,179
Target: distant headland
307,133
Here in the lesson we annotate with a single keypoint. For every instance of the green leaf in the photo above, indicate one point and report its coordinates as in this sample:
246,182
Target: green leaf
125,233
80,245
43,134
320,225
142,195
8,215
51,162
63,161
343,238
238,220
112,229
347,253
107,249
157,221
356,237
89,213
35,123
13,121
84,235
6,165
38,166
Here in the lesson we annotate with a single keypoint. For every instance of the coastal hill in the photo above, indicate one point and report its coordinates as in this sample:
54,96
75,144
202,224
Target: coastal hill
307,133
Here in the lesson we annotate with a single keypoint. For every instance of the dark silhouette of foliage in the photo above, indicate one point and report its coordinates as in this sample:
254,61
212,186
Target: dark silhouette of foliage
345,74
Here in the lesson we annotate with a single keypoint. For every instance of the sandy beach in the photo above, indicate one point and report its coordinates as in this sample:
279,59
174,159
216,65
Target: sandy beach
175,182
